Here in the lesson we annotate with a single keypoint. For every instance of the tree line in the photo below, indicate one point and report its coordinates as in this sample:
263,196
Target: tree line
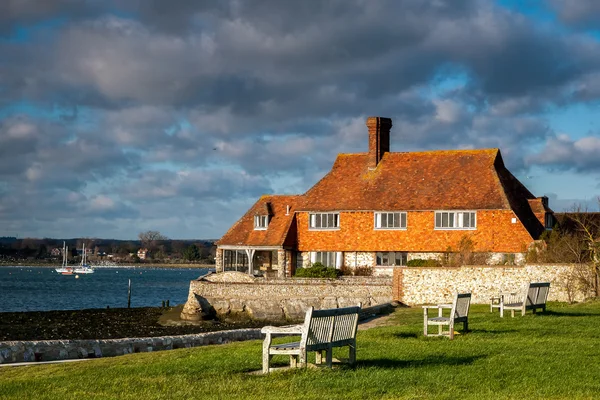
160,249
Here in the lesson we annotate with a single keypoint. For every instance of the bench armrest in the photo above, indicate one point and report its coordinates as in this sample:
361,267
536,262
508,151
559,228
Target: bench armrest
283,330
505,294
439,306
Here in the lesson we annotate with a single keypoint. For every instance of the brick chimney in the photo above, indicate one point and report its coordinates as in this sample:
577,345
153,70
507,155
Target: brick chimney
379,139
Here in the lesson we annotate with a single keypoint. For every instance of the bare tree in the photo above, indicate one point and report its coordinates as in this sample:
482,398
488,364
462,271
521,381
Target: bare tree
586,226
150,239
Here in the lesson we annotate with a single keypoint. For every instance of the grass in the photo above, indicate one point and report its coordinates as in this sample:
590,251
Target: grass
546,356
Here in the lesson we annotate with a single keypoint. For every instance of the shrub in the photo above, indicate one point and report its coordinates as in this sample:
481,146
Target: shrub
419,262
363,271
317,270
346,271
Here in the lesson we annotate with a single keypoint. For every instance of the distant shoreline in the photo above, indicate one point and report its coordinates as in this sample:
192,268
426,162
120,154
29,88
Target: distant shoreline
128,265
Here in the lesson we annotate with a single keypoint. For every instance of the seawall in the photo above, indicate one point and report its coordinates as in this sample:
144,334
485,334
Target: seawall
238,294
50,350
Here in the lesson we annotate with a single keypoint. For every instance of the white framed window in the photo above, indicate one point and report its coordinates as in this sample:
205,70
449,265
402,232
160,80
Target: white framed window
324,221
391,258
261,222
455,220
327,258
390,220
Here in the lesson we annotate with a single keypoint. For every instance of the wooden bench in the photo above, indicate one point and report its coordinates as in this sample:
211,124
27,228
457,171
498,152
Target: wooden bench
459,312
321,332
533,296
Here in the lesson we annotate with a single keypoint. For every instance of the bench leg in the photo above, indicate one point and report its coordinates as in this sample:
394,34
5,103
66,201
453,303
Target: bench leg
451,333
319,357
293,361
466,326
329,357
266,362
501,310
302,358
352,354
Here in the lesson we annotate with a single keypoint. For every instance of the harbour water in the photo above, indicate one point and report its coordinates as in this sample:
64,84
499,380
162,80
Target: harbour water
43,289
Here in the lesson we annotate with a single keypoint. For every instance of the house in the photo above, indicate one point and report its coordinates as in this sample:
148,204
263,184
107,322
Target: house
142,254
381,209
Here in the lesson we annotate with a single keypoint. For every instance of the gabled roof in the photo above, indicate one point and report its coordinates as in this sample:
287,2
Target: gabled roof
279,232
430,180
408,181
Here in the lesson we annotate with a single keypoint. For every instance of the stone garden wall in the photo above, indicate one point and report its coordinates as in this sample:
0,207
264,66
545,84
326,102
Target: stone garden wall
412,285
51,350
238,294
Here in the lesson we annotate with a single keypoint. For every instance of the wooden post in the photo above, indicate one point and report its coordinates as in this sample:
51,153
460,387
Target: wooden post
129,295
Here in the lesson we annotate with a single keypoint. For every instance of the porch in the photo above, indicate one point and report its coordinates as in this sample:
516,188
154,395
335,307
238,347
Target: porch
270,262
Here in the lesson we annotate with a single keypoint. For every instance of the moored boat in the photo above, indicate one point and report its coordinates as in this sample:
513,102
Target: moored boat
65,269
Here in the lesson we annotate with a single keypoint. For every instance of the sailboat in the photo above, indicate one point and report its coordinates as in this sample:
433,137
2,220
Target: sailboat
84,268
65,269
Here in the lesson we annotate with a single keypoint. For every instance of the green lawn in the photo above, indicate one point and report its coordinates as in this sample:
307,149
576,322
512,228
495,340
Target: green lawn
555,355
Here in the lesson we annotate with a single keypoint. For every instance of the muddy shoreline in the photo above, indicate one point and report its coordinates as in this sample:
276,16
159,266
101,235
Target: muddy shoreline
111,323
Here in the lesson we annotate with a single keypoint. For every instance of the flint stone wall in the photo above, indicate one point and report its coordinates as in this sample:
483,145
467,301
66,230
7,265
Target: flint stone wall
414,285
235,293
51,350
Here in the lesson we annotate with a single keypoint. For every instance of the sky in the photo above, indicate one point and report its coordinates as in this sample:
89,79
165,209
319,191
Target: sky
122,116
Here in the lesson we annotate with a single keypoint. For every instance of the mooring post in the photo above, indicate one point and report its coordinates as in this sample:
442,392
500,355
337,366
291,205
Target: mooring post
129,295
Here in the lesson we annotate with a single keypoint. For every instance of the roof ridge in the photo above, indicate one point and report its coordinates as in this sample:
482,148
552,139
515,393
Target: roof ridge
492,150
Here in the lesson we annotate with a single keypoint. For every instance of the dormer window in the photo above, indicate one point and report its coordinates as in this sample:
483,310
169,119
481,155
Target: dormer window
261,222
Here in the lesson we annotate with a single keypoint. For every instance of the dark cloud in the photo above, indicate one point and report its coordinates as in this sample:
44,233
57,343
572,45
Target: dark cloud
16,13
580,13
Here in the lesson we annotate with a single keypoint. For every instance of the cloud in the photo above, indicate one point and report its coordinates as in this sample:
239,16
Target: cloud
563,152
581,13
133,113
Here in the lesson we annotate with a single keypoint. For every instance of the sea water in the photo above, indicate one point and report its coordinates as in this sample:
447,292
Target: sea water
42,289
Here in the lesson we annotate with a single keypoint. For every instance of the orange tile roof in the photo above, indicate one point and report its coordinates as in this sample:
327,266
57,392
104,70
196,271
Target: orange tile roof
409,181
280,231
431,180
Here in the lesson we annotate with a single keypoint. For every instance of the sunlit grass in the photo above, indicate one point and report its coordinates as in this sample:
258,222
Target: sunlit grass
546,356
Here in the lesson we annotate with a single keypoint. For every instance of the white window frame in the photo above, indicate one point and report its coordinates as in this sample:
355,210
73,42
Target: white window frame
382,216
455,220
403,258
261,222
331,258
331,220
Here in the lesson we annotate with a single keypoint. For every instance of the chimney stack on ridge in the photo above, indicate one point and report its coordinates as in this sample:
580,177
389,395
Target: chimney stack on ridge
379,139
